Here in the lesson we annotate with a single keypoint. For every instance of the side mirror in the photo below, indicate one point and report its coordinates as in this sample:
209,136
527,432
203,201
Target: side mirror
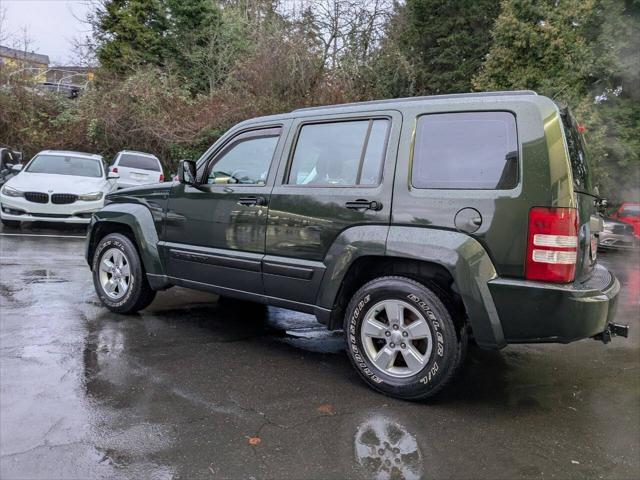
16,168
112,175
187,172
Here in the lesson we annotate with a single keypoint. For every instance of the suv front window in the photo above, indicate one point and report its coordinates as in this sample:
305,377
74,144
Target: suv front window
246,162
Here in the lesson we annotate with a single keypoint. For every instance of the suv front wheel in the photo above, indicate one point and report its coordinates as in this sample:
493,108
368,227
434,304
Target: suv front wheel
118,275
402,339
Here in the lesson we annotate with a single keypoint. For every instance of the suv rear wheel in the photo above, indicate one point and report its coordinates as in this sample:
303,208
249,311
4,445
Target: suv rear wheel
402,339
118,275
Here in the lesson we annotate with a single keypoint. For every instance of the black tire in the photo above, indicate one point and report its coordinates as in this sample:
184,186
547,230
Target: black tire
11,223
139,294
448,347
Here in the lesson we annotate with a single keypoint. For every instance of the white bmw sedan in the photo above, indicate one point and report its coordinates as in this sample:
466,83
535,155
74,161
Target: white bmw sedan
56,186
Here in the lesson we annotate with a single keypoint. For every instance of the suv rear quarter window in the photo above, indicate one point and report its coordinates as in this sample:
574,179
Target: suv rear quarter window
143,162
466,150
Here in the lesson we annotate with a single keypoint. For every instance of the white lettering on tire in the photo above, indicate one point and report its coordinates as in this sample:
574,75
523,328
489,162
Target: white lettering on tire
439,337
352,340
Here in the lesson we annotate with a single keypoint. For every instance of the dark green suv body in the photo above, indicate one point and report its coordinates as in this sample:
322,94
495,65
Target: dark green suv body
411,224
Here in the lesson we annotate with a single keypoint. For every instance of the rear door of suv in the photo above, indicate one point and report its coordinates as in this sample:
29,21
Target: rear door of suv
338,174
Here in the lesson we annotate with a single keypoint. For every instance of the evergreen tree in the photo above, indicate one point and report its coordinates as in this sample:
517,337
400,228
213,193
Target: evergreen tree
194,37
583,53
130,33
196,40
446,42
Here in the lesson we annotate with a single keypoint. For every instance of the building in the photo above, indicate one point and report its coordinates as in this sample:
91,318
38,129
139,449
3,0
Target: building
33,63
70,75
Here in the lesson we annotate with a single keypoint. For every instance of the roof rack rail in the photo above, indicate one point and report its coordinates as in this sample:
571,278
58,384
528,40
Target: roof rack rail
422,98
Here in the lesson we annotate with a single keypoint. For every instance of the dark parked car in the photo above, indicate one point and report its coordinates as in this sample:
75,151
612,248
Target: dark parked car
617,235
10,163
411,224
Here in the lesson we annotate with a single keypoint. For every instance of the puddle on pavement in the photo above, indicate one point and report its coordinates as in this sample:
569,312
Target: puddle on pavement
7,291
386,450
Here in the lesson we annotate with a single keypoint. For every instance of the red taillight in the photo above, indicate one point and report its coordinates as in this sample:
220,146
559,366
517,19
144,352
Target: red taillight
161,178
552,245
114,169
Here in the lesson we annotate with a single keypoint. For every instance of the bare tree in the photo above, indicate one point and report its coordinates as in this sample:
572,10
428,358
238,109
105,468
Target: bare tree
84,52
22,40
4,32
349,29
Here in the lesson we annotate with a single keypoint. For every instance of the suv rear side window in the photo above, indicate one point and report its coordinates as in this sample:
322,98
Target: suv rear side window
471,150
339,153
143,162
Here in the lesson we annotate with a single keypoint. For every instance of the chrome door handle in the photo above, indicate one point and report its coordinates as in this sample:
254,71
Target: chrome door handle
362,204
251,201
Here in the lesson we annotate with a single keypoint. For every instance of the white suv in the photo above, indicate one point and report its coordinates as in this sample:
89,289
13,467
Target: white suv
136,168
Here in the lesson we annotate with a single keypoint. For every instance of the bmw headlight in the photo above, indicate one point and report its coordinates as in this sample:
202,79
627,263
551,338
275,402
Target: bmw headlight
11,192
90,197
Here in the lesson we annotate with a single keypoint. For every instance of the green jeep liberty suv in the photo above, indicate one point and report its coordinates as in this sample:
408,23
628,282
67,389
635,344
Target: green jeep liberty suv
412,224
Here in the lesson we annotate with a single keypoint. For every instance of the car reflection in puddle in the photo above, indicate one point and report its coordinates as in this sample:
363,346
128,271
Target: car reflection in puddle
386,450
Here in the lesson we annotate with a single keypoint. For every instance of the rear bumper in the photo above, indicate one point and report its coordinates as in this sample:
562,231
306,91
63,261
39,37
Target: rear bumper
532,312
134,183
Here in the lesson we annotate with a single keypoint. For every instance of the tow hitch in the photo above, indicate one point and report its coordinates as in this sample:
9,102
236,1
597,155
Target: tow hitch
613,330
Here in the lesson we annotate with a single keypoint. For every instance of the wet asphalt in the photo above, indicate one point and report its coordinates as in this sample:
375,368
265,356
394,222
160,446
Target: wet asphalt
197,388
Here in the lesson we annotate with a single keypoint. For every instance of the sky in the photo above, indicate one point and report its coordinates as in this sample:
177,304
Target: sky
51,25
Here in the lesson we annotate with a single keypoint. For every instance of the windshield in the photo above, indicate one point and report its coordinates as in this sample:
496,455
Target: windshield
66,165
630,211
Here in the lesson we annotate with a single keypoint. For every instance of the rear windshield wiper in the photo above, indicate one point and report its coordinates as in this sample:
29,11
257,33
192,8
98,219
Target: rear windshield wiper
588,193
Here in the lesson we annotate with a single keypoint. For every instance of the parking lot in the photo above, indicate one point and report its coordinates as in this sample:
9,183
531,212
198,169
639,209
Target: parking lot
196,388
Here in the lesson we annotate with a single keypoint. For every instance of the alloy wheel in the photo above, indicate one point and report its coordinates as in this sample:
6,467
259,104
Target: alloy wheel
115,273
396,338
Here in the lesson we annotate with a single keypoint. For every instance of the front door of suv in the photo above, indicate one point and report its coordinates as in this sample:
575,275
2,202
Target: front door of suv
215,232
338,174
